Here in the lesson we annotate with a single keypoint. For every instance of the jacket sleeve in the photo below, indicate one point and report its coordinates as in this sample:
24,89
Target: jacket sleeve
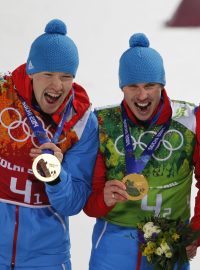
195,220
95,206
69,196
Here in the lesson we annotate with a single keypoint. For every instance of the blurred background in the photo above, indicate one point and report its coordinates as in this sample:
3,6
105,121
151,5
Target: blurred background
101,30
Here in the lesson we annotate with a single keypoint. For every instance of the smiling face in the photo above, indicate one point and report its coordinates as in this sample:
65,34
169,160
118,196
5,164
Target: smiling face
51,89
143,99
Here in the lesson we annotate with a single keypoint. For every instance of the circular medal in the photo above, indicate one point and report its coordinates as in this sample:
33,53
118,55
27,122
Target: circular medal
46,167
136,186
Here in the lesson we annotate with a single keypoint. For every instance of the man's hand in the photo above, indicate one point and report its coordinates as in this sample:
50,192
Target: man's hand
192,250
38,151
114,191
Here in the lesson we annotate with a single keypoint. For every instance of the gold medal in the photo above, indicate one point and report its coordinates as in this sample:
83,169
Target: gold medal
46,167
136,186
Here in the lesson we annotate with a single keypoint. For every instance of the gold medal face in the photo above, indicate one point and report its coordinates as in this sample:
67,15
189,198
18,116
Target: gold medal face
136,186
46,167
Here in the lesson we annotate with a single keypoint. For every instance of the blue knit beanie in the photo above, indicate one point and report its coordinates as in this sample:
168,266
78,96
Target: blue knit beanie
140,64
53,51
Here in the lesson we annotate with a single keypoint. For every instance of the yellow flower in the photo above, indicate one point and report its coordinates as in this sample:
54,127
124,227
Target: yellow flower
139,225
165,246
149,259
159,251
175,236
147,251
151,245
168,254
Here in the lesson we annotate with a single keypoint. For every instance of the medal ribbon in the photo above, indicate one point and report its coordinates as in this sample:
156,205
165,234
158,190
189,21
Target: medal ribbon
37,127
134,165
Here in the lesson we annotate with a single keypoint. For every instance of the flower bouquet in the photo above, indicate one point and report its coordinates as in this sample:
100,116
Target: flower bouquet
164,242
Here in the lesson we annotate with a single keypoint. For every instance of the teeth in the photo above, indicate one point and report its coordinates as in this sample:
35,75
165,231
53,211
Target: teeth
142,104
53,95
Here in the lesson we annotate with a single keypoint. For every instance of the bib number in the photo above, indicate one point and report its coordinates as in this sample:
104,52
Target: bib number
157,207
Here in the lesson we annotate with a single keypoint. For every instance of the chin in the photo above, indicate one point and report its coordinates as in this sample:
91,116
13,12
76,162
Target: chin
49,110
143,118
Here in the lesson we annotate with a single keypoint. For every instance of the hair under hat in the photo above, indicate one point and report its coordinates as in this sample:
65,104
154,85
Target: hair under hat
140,63
53,51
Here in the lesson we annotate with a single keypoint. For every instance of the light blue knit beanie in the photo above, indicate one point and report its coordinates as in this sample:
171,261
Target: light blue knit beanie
53,51
140,63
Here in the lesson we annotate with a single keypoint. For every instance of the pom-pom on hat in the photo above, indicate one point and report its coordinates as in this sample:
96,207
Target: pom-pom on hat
53,51
140,63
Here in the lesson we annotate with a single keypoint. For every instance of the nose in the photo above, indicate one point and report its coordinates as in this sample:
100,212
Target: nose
142,93
56,83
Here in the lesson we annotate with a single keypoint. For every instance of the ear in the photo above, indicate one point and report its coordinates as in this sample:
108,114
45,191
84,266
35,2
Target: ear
30,76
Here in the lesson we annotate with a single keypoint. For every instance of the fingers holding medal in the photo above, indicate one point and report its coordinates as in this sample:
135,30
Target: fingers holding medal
133,187
114,191
54,148
46,166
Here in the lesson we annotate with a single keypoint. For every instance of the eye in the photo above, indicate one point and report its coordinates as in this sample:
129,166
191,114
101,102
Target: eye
150,86
67,77
132,86
47,74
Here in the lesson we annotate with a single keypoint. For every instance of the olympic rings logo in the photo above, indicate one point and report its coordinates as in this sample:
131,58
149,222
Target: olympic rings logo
165,143
23,124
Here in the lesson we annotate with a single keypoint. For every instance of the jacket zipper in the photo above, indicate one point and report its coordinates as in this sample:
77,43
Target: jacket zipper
101,235
15,237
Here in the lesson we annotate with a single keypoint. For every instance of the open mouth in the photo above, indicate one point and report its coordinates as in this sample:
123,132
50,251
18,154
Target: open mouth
143,106
51,98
